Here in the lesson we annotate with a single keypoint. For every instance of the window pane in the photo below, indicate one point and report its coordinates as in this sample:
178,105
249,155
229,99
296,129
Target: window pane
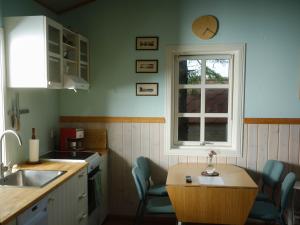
190,71
216,100
216,129
217,71
188,129
189,100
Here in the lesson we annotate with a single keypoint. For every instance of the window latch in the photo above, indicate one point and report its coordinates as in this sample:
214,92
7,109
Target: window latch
203,143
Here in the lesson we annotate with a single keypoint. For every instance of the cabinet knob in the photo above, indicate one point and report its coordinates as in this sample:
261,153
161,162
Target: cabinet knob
81,175
83,195
51,199
83,216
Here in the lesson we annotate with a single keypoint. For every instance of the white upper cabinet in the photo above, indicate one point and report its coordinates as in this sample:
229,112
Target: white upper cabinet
33,50
41,53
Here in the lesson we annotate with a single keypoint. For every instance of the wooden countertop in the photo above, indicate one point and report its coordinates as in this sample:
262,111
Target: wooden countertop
14,200
233,176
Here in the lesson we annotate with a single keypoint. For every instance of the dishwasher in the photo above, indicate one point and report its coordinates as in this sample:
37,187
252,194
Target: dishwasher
35,215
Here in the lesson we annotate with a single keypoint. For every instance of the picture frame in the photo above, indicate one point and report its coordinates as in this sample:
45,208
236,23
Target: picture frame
146,66
146,89
146,43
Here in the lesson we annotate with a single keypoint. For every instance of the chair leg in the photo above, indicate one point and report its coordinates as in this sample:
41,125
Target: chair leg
280,221
143,207
137,214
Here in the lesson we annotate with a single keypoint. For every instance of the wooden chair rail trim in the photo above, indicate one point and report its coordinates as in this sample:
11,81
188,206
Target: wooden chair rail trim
272,120
110,119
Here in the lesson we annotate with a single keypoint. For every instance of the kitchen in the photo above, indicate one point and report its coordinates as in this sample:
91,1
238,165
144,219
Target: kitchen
271,84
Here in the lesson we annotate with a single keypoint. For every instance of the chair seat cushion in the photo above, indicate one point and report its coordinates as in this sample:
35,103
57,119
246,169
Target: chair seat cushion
261,196
158,190
159,205
264,211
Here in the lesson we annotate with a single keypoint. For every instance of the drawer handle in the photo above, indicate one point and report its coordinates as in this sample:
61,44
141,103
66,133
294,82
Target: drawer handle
83,195
83,216
51,199
81,175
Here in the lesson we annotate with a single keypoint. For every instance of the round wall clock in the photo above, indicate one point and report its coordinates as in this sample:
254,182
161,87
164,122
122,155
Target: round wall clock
205,27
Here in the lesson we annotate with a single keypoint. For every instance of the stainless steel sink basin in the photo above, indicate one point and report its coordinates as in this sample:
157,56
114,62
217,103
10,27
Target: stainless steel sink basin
31,178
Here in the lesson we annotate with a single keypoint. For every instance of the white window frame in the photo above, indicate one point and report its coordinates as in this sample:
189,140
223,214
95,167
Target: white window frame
234,145
2,91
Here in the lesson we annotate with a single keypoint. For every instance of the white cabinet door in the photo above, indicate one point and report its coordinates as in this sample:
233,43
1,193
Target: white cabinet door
84,58
33,52
54,54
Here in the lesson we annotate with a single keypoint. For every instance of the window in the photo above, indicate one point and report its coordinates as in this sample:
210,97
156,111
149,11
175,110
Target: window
2,82
204,99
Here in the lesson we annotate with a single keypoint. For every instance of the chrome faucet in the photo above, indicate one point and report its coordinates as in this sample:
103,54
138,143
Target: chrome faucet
2,167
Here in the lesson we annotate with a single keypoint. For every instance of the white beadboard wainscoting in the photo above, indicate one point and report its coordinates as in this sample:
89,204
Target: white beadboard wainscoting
129,140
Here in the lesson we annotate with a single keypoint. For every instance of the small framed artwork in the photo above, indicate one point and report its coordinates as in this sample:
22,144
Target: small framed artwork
146,66
146,43
146,89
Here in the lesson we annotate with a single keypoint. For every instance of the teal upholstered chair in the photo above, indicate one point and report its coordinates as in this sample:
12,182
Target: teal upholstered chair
153,190
271,175
154,205
267,211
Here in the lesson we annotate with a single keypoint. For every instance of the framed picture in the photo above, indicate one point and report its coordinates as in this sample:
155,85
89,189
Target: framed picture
146,66
146,89
146,43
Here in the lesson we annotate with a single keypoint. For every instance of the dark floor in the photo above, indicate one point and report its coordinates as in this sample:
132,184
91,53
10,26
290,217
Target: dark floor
124,220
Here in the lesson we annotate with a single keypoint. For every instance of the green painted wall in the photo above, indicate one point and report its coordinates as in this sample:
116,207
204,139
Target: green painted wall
1,8
42,103
269,28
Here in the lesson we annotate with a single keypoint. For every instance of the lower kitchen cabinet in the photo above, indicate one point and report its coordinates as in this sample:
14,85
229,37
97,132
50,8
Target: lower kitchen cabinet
68,204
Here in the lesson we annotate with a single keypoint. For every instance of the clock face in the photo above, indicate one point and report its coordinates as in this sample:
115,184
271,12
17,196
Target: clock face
205,27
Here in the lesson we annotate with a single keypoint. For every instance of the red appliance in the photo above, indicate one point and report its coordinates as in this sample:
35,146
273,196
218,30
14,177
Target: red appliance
71,139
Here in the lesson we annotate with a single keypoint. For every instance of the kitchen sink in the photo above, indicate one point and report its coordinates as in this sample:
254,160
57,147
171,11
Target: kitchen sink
31,178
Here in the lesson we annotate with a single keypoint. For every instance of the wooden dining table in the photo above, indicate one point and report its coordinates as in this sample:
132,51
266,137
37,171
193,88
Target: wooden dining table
224,199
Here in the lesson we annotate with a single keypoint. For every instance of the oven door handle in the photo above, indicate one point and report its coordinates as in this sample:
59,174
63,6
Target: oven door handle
92,177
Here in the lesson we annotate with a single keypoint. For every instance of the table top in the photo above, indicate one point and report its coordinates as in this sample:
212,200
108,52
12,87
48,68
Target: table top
230,176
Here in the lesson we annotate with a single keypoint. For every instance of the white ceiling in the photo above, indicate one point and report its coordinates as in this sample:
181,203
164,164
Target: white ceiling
61,6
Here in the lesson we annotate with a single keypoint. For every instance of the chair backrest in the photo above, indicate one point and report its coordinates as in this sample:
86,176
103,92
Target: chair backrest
272,172
286,189
144,165
140,182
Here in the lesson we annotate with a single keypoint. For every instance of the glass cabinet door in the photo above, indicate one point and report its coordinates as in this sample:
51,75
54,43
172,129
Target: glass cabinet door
70,53
84,59
54,46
